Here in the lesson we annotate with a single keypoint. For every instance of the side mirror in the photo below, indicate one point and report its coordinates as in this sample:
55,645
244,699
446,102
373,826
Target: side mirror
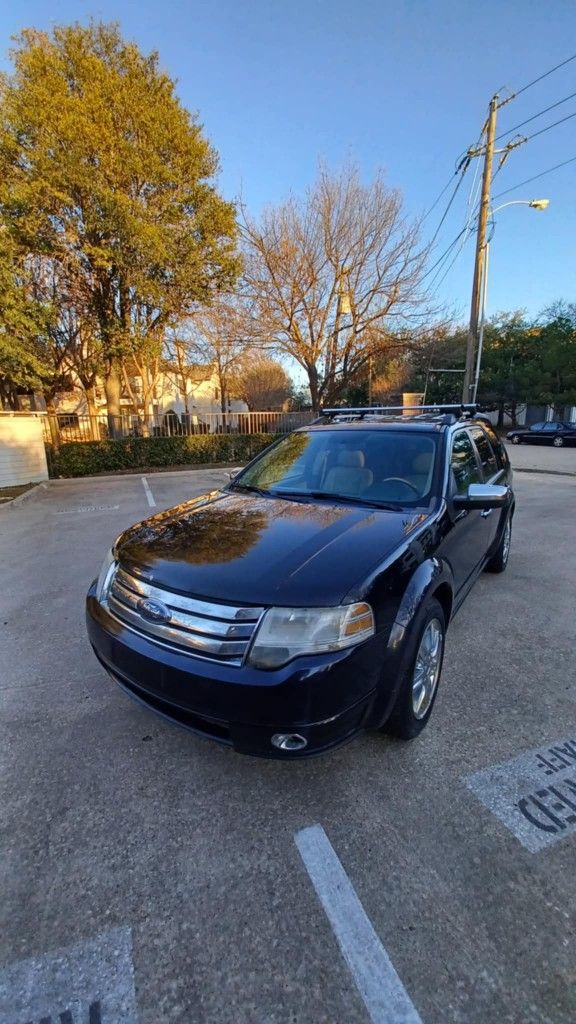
482,496
233,473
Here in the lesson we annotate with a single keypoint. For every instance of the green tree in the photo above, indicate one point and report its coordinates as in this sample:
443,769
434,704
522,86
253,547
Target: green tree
23,365
105,173
556,342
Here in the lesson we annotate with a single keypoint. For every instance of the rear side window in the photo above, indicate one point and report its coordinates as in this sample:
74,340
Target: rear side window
487,456
497,446
463,462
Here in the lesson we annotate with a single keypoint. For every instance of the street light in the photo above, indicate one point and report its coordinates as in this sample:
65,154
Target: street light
534,204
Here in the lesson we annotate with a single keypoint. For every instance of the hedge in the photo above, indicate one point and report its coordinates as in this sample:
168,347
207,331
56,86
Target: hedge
85,458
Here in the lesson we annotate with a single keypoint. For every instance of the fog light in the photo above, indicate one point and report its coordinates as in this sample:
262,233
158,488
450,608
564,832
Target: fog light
289,741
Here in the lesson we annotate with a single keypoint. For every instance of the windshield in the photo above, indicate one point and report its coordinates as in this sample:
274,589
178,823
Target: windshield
383,467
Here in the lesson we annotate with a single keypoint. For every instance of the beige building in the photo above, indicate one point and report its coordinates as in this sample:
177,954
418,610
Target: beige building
193,401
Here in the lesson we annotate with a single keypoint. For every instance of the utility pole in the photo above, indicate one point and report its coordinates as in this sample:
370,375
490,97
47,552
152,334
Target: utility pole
480,252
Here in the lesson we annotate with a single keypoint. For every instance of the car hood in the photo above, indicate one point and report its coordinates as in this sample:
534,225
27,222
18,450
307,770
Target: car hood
258,550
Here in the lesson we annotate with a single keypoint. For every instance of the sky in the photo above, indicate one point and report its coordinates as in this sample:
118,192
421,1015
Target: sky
401,85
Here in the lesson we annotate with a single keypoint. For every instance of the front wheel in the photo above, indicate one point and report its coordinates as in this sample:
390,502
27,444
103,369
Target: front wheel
558,442
421,675
515,439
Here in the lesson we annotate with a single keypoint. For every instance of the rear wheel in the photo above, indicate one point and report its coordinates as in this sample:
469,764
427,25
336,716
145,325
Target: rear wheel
421,675
499,559
558,442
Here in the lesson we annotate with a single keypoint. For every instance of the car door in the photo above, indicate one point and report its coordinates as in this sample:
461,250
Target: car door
550,431
492,474
465,545
534,434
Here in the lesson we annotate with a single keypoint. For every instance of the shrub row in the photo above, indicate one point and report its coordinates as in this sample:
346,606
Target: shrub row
85,458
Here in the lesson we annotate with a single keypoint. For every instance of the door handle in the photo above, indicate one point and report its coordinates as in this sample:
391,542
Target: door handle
487,512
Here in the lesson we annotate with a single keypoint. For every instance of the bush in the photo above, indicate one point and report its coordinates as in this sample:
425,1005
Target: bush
85,458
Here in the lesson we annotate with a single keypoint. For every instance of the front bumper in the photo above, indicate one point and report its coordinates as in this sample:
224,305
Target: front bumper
326,699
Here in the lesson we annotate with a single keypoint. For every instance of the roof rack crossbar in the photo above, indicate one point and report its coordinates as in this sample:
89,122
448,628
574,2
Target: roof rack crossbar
367,409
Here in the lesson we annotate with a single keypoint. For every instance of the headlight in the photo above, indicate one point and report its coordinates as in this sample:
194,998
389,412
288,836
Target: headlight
105,577
286,633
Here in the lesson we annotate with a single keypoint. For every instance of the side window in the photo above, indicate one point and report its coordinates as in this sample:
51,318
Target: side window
537,426
487,457
463,462
551,427
497,446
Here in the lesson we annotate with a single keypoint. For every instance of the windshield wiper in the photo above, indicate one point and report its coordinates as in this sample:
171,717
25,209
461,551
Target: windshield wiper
330,496
249,489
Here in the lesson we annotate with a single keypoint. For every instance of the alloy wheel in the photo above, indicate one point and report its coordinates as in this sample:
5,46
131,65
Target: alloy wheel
427,668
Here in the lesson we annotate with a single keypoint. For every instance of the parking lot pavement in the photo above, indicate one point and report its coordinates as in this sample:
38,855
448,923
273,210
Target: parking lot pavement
543,457
151,876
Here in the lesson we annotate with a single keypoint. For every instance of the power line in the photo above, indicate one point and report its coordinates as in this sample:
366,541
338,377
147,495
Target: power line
539,79
471,207
549,126
446,252
535,177
439,197
437,281
534,116
450,201
442,273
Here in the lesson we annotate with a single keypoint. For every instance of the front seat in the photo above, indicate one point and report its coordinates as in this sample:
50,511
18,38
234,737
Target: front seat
350,475
421,475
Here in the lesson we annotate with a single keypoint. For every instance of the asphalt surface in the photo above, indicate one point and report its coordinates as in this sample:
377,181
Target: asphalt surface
144,865
543,457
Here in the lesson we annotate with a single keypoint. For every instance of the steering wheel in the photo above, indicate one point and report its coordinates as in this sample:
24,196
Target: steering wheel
401,480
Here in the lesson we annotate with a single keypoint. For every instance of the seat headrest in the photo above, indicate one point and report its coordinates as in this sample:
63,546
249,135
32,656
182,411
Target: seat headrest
421,462
351,459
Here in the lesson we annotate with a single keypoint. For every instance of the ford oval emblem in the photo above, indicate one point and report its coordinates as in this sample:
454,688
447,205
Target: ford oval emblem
153,610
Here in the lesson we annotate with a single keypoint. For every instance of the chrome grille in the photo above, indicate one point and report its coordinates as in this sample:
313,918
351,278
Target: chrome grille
220,632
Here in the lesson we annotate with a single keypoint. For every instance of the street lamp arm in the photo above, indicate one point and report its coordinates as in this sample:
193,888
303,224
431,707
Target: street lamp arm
536,204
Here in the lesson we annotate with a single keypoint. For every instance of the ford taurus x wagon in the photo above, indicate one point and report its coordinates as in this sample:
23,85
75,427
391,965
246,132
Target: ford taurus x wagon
309,598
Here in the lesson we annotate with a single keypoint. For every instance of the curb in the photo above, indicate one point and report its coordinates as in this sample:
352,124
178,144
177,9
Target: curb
26,496
545,472
145,472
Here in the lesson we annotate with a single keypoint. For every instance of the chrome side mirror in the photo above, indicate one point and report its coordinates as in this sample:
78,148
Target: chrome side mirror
482,496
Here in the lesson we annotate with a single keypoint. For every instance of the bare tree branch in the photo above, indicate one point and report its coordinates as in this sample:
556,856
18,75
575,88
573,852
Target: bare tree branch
327,274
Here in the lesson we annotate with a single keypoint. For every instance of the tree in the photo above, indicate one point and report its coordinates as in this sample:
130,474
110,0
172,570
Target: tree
331,275
23,365
262,382
221,335
511,369
556,334
103,171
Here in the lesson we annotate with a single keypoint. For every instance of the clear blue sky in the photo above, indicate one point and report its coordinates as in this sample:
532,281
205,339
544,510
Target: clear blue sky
400,84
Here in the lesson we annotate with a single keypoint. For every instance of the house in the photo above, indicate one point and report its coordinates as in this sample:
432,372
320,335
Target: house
185,401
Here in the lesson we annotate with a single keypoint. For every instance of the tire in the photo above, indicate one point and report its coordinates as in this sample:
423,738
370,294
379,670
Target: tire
558,442
499,559
515,439
405,722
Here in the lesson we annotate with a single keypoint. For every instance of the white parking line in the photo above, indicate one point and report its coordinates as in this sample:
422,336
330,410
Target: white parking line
383,993
148,492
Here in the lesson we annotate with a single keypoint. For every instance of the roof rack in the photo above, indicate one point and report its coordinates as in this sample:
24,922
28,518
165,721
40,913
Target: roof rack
448,413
